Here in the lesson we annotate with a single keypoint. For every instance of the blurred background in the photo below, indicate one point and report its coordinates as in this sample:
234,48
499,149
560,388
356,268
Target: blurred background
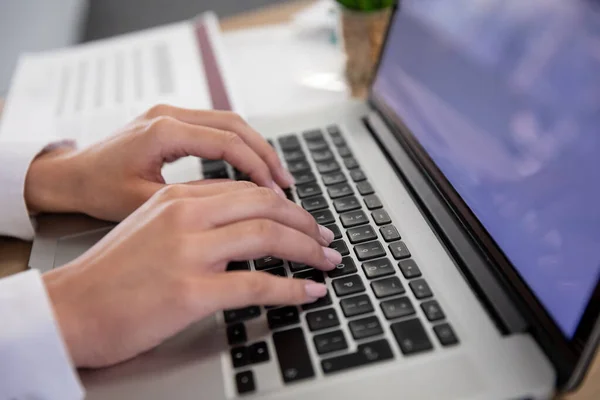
30,25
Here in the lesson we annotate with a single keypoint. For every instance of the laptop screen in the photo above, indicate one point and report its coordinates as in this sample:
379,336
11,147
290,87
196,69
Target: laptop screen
504,95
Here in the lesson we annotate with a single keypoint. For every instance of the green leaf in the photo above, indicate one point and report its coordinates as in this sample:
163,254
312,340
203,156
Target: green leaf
366,5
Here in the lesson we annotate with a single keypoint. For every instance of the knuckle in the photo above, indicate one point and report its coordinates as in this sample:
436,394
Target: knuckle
256,285
172,192
244,185
157,111
231,139
267,196
263,230
160,124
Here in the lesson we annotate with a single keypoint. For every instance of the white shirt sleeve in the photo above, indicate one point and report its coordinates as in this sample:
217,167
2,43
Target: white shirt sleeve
15,158
34,363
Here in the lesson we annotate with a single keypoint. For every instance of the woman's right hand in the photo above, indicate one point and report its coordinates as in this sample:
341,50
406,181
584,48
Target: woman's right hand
163,268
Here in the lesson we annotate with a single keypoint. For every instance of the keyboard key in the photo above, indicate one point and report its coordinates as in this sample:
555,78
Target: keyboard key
289,142
321,302
328,166
366,353
348,285
399,250
314,203
307,190
357,175
372,202
409,269
334,131
238,266
302,177
278,271
411,336
240,176
317,145
297,166
338,141
244,382
344,151
369,250
294,155
295,267
337,234
313,135
311,274
267,262
361,234
288,194
239,356
283,316
340,247
365,327
350,162
330,341
334,178
381,217
339,190
236,334
387,287
344,204
364,188
378,268
389,233
353,218
322,155
322,319
258,352
397,308
346,267
323,217
214,169
420,288
445,334
432,310
292,355
241,314
357,305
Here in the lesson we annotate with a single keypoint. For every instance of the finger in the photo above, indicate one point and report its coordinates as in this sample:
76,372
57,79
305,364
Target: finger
179,139
257,238
244,288
228,121
259,203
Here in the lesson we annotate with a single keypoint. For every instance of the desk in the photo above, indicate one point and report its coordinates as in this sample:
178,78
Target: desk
14,253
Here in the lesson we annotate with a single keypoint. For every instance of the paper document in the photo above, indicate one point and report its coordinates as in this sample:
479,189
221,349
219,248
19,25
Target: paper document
89,91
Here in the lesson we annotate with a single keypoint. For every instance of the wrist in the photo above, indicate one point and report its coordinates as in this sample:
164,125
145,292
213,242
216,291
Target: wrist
53,182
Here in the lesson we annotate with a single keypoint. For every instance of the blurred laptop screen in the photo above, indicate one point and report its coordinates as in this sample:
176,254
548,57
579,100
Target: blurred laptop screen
504,95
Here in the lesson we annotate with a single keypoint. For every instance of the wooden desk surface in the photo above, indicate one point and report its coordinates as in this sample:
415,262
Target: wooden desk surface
15,253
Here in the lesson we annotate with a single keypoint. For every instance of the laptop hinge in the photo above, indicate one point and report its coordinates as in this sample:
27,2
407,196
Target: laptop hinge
469,259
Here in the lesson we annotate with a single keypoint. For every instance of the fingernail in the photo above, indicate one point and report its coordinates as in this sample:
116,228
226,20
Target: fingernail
326,234
277,189
332,256
315,290
288,177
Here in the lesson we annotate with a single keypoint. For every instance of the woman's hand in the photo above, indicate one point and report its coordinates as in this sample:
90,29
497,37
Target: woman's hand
111,179
163,268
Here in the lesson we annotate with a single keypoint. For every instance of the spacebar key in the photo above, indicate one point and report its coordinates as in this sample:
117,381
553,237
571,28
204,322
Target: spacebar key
292,353
366,353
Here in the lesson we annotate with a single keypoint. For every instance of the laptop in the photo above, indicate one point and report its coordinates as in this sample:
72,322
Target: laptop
463,198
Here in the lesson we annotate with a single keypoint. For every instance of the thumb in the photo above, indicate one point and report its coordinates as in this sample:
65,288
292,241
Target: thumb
244,288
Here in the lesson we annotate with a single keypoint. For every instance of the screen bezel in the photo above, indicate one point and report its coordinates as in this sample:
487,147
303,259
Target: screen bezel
565,353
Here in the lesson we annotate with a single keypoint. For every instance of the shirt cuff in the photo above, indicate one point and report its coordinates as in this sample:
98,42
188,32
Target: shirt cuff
35,363
15,158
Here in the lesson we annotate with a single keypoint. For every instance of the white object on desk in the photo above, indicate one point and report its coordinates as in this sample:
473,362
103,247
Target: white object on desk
87,92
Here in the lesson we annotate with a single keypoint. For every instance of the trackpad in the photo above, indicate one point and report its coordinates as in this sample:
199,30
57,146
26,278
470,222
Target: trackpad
70,247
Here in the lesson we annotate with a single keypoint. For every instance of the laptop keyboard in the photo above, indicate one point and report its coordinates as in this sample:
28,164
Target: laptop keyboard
338,194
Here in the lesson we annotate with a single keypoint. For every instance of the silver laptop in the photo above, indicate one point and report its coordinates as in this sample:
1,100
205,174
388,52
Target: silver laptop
464,199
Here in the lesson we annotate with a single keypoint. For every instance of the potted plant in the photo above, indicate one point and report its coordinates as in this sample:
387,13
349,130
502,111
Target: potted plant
363,27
